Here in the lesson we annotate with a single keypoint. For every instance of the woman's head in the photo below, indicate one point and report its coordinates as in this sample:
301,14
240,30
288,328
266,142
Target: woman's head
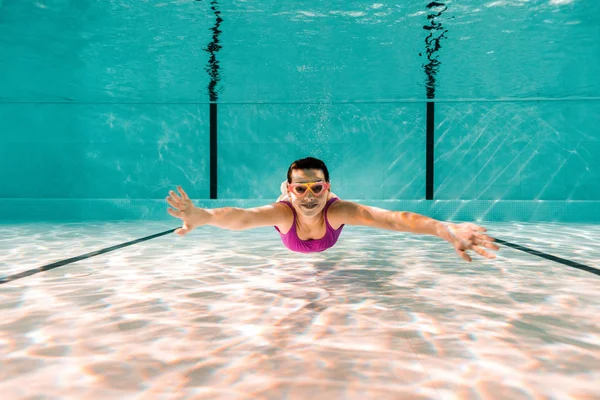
308,185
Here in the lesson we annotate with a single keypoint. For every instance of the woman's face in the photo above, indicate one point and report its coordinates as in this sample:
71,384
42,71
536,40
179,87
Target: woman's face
309,205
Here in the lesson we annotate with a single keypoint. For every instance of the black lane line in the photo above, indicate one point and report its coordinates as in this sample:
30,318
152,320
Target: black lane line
551,257
57,264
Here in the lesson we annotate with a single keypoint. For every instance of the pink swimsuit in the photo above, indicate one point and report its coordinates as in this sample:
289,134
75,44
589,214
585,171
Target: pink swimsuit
294,243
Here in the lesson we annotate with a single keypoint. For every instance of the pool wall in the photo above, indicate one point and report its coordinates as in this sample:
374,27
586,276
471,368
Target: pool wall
456,112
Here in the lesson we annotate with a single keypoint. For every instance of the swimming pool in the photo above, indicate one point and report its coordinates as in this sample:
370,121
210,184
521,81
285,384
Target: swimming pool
236,315
462,111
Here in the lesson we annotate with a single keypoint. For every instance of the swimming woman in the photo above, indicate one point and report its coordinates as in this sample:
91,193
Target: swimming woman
309,218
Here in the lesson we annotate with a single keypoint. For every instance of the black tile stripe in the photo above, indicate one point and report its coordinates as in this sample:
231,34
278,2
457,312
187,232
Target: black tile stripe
429,155
432,46
57,264
550,257
213,151
213,70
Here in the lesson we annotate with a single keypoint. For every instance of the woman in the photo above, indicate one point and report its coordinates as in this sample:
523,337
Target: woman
309,218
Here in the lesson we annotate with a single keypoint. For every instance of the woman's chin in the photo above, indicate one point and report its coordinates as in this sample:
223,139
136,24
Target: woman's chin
310,211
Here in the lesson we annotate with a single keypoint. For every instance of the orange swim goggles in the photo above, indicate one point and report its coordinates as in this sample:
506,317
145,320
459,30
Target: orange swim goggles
316,188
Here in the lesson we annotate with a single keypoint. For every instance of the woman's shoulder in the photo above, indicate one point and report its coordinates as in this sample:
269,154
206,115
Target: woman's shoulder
286,207
337,212
332,196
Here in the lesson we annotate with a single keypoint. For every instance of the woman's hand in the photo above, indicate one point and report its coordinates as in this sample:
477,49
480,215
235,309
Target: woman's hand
468,236
184,210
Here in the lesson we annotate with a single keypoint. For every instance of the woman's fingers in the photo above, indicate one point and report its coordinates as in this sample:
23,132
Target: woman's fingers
182,231
175,213
486,241
181,207
462,251
174,203
463,254
174,195
184,195
476,227
486,237
488,245
482,252
471,238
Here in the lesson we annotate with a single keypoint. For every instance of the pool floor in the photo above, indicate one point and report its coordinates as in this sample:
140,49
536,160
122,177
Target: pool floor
235,315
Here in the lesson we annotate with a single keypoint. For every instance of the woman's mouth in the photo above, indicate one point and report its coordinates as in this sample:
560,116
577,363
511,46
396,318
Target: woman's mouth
310,206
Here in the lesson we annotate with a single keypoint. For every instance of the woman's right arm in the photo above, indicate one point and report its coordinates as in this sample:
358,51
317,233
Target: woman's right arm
237,219
231,218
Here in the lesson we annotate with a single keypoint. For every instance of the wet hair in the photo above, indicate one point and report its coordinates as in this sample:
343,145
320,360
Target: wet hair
308,163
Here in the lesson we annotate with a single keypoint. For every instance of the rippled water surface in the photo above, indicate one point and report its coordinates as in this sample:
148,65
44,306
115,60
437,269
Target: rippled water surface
235,315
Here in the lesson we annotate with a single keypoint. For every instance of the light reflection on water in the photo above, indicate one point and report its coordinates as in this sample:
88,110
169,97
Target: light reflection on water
222,314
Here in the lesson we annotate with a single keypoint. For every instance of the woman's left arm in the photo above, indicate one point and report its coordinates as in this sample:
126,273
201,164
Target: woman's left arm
463,237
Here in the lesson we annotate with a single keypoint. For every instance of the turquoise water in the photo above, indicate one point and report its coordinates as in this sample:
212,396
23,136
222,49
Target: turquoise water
106,105
109,100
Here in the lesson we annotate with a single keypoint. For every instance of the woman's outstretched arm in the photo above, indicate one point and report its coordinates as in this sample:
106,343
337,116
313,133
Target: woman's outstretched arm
463,237
231,218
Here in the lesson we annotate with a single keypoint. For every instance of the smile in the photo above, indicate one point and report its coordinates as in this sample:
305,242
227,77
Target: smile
310,206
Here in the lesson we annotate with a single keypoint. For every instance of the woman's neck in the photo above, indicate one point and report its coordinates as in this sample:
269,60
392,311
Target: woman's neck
310,222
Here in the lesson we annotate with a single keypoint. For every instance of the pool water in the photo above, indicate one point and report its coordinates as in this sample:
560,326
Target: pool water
235,315
458,110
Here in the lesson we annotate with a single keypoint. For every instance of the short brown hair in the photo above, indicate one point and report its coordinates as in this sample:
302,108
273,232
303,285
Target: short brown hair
308,163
